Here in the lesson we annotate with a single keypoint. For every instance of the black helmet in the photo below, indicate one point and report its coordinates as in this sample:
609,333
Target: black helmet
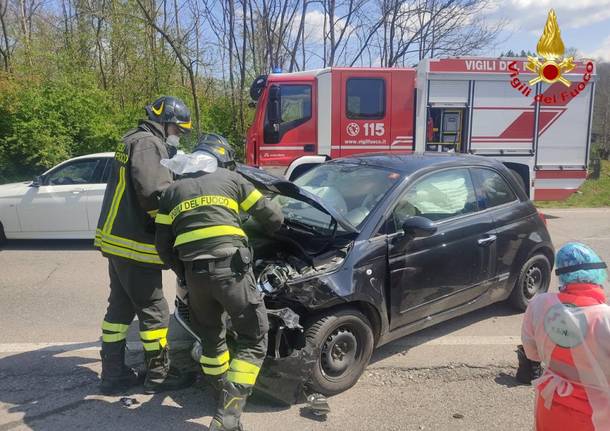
168,109
217,146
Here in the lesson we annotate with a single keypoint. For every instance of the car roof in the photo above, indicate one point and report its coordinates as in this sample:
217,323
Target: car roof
409,163
92,156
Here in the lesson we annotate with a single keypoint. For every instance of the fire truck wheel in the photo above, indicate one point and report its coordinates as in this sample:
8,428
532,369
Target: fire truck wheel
534,277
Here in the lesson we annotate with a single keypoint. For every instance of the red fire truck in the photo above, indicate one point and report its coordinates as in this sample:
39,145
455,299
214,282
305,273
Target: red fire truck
482,106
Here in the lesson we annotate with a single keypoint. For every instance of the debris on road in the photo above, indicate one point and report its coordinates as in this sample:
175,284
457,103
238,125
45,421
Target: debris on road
128,402
458,416
284,380
318,404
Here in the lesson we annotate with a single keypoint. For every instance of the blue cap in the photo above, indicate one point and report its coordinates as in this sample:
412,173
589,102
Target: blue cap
574,254
277,69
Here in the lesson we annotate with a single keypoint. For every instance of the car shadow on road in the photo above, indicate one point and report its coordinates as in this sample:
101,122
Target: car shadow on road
47,389
404,344
46,245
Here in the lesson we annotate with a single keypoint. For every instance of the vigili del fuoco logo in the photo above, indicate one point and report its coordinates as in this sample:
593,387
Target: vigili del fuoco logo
550,65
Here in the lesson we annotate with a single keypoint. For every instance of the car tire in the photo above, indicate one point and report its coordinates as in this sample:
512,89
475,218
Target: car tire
345,342
2,236
534,277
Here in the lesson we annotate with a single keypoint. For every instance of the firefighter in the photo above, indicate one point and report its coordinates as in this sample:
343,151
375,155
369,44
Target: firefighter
125,235
199,234
569,332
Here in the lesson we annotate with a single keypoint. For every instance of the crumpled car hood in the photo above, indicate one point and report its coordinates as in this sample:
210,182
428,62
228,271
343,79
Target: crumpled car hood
264,180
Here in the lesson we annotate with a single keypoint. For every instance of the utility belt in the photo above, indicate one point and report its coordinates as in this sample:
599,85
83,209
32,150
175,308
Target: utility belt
235,266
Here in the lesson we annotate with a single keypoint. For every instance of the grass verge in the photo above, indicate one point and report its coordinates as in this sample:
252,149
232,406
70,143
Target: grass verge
592,194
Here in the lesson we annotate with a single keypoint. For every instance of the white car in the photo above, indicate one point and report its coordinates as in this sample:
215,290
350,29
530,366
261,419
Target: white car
64,202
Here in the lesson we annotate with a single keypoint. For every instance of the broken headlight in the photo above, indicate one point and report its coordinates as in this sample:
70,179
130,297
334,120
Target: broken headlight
272,278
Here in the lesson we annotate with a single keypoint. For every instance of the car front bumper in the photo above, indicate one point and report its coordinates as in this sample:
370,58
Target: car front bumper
289,362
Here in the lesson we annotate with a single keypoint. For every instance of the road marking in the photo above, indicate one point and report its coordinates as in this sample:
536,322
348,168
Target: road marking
452,340
74,346
461,340
575,210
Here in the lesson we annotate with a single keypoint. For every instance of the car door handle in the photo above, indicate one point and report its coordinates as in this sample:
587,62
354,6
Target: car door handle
487,240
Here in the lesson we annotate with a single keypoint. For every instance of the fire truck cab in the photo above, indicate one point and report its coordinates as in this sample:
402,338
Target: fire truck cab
473,105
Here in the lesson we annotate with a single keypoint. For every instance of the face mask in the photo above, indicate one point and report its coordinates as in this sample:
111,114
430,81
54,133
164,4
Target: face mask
172,142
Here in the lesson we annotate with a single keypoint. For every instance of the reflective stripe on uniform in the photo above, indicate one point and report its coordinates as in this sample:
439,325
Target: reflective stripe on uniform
129,254
154,339
116,245
219,360
126,242
215,371
243,372
203,200
114,327
153,334
163,219
152,213
251,200
116,200
208,232
113,338
154,345
113,332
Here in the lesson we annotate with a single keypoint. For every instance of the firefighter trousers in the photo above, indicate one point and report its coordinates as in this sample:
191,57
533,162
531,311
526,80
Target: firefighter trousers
136,290
213,291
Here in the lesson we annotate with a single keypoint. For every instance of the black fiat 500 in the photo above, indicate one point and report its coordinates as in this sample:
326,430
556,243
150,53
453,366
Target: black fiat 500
376,247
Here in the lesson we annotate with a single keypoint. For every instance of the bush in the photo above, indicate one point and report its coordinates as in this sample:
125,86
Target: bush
43,123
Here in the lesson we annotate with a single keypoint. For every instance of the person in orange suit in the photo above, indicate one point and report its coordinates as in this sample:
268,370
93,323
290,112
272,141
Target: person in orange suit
569,332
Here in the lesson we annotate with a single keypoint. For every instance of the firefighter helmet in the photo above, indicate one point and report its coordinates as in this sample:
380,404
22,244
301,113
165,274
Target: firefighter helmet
219,147
168,109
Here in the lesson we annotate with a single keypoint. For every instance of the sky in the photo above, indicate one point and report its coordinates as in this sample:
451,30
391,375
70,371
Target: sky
584,25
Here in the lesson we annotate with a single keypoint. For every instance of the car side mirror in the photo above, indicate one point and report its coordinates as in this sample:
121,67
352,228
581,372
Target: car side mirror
37,181
418,227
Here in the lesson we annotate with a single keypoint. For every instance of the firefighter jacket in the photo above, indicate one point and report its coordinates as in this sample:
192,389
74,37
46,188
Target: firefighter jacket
126,225
199,215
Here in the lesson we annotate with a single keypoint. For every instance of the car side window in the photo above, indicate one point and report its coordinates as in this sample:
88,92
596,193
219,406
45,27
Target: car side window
77,172
493,189
106,172
438,197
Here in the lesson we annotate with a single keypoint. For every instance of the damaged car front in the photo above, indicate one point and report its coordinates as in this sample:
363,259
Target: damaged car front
319,336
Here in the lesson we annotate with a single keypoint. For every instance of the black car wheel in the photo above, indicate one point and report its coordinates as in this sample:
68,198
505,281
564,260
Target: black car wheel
345,340
535,277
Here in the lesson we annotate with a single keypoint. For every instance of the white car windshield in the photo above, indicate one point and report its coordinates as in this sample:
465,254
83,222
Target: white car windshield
353,190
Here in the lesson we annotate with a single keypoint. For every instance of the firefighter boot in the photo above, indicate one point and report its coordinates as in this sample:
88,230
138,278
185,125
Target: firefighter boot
217,383
160,376
230,407
116,376
528,370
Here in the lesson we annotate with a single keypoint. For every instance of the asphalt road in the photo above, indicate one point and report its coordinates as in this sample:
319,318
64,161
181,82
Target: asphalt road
456,376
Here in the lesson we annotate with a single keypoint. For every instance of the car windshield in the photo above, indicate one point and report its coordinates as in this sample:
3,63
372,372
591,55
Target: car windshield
353,190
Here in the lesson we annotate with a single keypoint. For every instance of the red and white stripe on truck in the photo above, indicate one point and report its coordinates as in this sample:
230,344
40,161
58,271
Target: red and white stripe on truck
475,105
